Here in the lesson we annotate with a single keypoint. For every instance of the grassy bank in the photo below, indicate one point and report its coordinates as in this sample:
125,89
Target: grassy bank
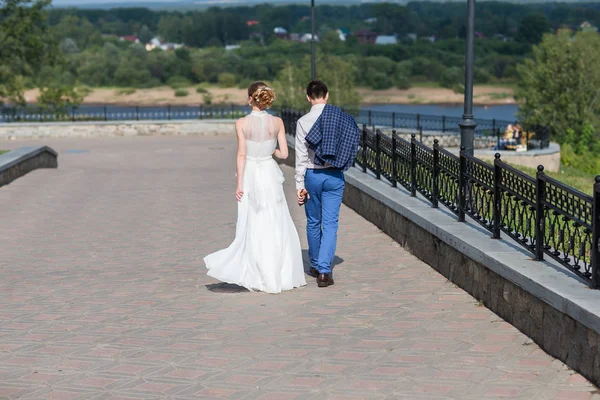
420,93
569,176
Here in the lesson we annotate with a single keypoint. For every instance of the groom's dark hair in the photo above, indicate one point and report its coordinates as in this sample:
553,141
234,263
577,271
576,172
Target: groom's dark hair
316,90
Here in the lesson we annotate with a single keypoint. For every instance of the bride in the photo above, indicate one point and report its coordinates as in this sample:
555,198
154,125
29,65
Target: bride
265,254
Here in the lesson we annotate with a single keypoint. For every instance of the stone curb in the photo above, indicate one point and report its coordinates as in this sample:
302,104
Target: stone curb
17,163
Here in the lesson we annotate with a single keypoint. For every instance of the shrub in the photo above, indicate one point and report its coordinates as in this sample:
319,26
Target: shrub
181,93
207,98
380,81
227,79
201,89
179,82
402,82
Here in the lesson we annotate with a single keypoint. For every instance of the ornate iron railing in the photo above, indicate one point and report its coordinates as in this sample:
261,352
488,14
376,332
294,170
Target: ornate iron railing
543,215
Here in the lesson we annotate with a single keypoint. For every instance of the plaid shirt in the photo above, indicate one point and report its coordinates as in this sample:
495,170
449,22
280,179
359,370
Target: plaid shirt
334,138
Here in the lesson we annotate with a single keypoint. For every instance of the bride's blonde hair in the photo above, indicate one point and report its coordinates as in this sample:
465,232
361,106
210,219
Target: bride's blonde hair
262,95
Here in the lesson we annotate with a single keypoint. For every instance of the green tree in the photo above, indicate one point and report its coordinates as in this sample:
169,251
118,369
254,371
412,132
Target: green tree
532,28
338,73
560,85
25,45
145,34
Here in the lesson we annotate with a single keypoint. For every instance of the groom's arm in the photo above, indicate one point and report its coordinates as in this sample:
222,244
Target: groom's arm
301,156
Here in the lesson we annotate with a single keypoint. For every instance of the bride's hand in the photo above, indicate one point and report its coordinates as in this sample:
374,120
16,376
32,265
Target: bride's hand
239,193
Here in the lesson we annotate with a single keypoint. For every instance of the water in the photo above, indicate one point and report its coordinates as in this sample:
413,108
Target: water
506,112
114,112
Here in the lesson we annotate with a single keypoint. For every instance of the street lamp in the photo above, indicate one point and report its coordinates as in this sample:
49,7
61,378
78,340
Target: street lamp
313,69
468,125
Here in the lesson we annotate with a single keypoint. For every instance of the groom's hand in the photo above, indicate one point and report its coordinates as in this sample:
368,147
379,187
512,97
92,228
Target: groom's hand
302,196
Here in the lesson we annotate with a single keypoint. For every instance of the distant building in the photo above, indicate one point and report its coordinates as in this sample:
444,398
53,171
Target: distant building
132,39
500,37
252,23
586,26
412,36
232,47
386,39
371,20
343,33
479,35
156,43
281,33
307,37
366,37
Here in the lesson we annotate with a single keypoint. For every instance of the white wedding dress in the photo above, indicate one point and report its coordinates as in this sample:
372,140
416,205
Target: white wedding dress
265,254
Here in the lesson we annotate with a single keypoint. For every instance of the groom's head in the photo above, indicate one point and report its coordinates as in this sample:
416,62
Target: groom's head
317,93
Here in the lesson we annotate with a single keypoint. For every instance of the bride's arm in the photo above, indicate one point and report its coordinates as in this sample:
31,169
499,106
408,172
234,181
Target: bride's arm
282,151
241,160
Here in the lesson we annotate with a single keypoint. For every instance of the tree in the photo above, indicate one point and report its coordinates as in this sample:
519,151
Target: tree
25,45
57,99
338,73
532,28
145,35
560,86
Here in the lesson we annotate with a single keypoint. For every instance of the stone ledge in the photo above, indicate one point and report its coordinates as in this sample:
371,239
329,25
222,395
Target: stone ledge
17,163
540,298
94,129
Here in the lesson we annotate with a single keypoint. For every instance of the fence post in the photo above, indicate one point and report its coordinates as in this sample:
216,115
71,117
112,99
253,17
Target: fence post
105,114
497,198
201,112
73,113
413,166
596,235
377,154
540,220
370,118
169,112
137,113
494,125
443,123
435,190
498,138
394,120
421,134
364,148
461,187
394,159
232,112
418,121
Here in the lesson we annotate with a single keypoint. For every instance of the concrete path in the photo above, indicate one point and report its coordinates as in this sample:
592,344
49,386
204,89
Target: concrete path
103,295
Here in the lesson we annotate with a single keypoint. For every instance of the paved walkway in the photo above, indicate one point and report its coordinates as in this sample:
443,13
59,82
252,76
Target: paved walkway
103,295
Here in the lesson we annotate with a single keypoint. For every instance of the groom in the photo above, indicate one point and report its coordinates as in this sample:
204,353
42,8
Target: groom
326,145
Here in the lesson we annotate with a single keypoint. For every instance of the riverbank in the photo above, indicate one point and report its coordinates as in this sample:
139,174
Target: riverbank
483,95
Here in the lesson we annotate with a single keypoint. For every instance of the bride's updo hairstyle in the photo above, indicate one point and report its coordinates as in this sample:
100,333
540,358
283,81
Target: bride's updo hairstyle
262,95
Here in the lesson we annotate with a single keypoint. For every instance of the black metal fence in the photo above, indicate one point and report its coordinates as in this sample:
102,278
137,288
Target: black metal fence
445,129
488,134
121,113
543,215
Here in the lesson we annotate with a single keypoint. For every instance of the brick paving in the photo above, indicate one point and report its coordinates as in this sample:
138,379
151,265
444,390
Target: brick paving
103,295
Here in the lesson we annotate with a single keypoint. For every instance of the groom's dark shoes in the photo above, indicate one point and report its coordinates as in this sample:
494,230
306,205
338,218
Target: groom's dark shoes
324,280
312,271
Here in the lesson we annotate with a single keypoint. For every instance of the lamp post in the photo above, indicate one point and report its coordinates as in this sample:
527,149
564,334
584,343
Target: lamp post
313,69
468,125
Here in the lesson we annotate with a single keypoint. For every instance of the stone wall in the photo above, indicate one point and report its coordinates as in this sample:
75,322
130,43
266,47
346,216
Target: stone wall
17,163
15,131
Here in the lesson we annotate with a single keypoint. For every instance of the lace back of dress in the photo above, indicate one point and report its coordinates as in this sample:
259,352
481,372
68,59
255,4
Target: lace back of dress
260,127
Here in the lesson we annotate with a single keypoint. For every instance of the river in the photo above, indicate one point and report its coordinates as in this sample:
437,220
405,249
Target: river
506,112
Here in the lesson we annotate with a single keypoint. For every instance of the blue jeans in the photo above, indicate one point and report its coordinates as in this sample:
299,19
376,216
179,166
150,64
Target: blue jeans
326,189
